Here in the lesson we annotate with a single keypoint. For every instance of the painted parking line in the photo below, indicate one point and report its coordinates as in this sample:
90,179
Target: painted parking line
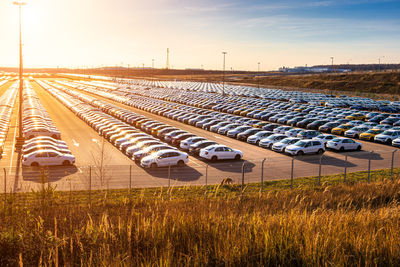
75,143
194,163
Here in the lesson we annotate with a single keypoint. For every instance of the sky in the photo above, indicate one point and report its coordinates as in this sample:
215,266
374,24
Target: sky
95,33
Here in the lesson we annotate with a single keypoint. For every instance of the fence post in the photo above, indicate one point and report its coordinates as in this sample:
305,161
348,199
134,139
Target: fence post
262,175
391,168
319,170
243,177
369,165
90,185
130,183
169,182
345,168
5,189
206,180
291,174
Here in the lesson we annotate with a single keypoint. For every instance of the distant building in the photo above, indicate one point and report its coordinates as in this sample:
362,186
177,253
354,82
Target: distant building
306,69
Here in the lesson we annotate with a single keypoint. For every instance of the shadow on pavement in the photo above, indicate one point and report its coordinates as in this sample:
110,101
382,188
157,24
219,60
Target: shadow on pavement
326,160
183,174
233,166
47,174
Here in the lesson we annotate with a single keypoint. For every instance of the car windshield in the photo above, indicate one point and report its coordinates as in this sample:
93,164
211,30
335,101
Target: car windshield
336,140
286,141
300,143
389,133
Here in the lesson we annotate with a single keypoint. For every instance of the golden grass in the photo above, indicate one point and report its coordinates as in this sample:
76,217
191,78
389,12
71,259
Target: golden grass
353,224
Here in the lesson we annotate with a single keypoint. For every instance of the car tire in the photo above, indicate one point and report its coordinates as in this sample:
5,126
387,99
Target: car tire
358,148
341,149
237,157
214,158
356,136
181,163
389,141
66,163
300,153
371,139
35,164
320,151
153,166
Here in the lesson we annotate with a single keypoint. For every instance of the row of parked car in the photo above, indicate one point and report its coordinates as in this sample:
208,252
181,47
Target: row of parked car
343,101
7,101
215,89
264,136
350,123
150,142
42,145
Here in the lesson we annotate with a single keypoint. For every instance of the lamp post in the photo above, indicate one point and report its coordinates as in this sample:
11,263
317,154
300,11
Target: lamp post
379,63
258,80
20,138
332,77
223,75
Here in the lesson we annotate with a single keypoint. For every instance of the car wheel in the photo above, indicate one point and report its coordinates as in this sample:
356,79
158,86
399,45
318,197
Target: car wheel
356,136
214,158
35,164
300,153
181,163
359,148
66,163
389,141
341,149
153,166
320,151
371,139
237,157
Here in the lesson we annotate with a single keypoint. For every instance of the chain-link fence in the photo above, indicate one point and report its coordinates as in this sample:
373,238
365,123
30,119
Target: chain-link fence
67,178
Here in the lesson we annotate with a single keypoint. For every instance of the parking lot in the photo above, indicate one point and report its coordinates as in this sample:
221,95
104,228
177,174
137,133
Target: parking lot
100,160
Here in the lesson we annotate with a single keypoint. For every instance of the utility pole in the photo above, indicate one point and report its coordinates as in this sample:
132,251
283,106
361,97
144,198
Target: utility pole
167,65
332,77
258,80
379,63
20,138
223,75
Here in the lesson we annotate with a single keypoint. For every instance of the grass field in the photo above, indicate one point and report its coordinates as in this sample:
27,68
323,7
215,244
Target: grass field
356,223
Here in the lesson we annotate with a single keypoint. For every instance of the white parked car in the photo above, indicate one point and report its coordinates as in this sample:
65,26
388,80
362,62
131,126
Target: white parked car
306,146
343,144
293,132
281,145
185,144
163,158
282,129
47,157
270,140
324,138
396,142
255,138
216,152
356,131
387,136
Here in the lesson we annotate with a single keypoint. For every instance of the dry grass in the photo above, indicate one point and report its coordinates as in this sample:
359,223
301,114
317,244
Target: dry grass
356,224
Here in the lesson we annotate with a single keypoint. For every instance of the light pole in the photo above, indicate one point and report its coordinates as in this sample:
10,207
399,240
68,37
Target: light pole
223,75
20,138
332,77
258,80
379,63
